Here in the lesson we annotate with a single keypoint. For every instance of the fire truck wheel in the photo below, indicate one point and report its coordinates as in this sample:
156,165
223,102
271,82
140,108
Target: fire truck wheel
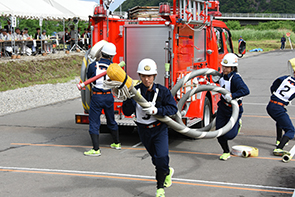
207,116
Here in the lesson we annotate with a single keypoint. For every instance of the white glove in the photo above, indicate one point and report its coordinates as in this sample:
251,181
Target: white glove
152,110
228,97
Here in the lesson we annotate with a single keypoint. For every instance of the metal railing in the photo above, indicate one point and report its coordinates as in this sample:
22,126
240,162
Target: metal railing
258,15
246,15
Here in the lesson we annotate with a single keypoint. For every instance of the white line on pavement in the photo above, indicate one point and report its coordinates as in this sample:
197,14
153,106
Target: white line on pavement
147,177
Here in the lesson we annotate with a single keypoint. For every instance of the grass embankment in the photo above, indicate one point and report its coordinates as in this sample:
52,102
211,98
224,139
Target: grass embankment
18,74
268,40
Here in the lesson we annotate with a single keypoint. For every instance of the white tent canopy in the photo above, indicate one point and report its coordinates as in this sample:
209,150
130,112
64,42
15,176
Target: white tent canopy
32,9
47,9
80,9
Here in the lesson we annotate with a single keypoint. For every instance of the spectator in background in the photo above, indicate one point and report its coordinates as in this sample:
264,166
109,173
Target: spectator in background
88,33
6,37
73,35
283,40
45,45
84,34
28,48
18,35
67,38
8,26
38,34
79,32
240,40
87,39
1,34
84,39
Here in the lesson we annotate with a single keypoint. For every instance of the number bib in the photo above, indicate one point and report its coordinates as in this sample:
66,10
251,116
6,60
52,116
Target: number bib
100,68
286,89
225,84
141,116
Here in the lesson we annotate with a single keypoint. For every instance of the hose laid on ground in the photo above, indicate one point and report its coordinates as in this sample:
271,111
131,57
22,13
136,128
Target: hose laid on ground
245,151
115,73
287,157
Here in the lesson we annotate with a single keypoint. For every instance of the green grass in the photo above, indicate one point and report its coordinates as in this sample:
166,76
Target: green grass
267,40
19,74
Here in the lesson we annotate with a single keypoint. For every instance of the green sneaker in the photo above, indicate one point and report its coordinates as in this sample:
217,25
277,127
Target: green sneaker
224,156
240,125
168,179
116,146
160,192
280,152
93,153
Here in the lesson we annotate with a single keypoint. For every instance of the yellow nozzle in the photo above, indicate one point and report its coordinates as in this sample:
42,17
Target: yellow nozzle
116,73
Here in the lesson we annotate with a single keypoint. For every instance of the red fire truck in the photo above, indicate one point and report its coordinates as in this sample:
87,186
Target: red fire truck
183,37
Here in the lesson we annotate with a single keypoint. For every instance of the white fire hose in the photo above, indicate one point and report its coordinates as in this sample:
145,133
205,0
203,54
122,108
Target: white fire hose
115,73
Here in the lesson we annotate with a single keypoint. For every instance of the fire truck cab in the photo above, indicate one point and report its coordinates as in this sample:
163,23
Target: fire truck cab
180,38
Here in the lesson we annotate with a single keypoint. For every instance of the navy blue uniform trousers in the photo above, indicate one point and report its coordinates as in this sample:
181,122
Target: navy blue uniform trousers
99,102
279,114
223,115
155,140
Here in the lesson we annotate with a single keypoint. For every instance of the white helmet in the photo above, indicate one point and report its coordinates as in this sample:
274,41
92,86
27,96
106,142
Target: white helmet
109,49
147,66
230,60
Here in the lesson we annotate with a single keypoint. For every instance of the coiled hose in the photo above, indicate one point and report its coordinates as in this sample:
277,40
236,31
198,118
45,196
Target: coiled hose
117,74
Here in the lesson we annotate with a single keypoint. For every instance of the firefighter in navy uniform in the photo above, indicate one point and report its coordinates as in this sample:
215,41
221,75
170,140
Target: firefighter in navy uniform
153,133
233,82
102,99
283,91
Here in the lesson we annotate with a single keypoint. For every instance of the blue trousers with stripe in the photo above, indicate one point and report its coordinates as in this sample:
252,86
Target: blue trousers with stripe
279,114
99,102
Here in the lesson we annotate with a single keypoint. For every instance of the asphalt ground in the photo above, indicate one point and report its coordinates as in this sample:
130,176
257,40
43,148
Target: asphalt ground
41,151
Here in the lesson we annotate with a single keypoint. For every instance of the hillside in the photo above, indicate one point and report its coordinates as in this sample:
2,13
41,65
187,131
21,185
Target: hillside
232,6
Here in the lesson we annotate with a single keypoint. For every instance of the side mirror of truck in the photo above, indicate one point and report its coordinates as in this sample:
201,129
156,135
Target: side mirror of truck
242,47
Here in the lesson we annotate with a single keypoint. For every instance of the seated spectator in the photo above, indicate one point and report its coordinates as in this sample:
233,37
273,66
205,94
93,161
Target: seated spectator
79,33
73,35
1,34
7,45
38,34
67,38
28,48
86,39
46,46
18,36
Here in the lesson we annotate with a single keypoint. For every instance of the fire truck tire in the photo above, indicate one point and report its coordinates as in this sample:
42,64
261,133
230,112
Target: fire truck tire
207,115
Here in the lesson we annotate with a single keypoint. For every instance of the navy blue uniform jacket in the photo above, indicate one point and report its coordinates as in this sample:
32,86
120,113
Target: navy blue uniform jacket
165,102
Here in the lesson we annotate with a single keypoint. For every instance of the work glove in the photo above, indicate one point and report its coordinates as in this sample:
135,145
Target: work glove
152,110
228,97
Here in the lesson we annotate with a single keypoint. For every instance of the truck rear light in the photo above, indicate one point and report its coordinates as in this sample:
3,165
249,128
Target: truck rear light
164,9
184,120
82,119
99,11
